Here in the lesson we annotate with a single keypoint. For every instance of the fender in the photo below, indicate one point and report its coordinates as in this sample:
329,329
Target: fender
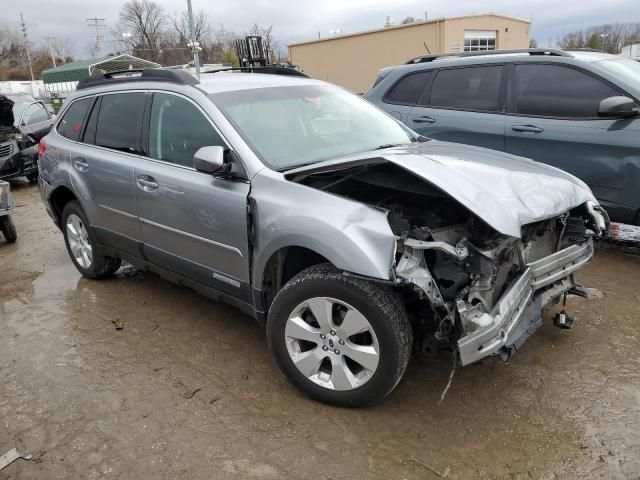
352,236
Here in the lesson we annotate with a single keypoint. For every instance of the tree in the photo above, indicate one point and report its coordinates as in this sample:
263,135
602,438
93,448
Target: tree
408,20
146,20
533,43
608,37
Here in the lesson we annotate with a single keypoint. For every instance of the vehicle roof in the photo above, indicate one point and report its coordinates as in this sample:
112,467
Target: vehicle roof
222,81
575,56
210,82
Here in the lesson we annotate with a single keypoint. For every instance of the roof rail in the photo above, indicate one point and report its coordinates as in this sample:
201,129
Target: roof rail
271,69
584,50
141,75
531,51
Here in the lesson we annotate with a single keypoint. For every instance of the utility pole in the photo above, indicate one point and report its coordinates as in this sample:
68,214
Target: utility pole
603,36
194,45
26,44
98,24
53,57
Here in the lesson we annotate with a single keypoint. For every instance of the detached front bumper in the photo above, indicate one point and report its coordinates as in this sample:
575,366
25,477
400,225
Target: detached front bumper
519,312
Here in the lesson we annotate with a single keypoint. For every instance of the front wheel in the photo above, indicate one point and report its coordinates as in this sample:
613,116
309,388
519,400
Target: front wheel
8,229
82,246
340,340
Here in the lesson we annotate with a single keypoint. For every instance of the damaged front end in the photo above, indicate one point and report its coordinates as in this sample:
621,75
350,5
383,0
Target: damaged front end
477,261
17,150
488,290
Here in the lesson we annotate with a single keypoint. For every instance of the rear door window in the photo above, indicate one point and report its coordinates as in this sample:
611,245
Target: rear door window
558,91
408,89
120,121
473,88
71,124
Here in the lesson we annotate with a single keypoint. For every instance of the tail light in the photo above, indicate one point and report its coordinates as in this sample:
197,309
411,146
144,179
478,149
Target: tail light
41,148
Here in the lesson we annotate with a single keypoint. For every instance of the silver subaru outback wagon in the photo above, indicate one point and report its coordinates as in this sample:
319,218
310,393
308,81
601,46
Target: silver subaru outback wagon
348,236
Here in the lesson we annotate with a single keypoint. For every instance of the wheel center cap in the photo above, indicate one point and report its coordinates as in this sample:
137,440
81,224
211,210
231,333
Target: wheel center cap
331,344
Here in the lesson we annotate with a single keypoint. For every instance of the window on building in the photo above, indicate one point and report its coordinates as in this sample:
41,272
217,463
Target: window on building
407,91
477,41
557,91
473,88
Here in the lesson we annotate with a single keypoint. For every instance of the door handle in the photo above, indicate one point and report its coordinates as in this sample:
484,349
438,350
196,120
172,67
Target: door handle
527,129
81,165
424,119
147,183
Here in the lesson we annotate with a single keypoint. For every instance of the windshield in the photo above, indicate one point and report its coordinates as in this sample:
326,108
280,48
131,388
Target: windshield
290,126
623,68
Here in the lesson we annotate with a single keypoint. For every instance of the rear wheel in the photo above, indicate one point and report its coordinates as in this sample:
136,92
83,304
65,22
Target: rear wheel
82,246
8,229
341,340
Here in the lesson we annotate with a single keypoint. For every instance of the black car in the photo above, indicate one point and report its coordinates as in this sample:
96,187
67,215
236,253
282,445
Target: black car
23,122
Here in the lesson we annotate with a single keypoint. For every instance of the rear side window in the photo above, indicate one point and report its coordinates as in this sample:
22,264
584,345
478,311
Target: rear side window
557,91
71,124
476,88
178,129
120,121
407,91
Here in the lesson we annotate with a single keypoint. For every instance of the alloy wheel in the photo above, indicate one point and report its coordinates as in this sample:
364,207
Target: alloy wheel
79,242
332,343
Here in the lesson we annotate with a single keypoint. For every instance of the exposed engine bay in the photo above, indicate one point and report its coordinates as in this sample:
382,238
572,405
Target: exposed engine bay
449,256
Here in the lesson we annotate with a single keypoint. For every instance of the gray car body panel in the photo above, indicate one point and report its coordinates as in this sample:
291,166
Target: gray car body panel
353,236
604,152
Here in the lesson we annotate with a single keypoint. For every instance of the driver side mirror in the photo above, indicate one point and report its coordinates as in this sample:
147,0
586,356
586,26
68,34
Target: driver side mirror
209,159
618,107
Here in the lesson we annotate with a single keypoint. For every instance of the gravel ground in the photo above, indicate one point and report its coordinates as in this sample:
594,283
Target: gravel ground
187,388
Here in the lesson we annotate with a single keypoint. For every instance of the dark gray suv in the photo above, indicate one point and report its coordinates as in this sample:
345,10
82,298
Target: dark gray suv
575,110
347,235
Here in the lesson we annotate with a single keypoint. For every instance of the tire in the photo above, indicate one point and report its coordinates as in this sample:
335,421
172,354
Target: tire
338,379
80,238
8,229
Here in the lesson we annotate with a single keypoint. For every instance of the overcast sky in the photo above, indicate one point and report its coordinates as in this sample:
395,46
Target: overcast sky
298,20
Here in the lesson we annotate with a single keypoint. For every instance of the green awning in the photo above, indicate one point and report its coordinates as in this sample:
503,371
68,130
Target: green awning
75,71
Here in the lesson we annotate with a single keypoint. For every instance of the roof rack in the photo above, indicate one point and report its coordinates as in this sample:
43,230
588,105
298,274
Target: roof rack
141,75
531,51
270,69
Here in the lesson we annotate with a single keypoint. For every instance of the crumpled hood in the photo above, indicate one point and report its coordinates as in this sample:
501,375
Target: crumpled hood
504,190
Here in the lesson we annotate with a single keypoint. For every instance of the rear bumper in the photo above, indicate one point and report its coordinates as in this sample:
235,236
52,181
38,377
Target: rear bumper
519,312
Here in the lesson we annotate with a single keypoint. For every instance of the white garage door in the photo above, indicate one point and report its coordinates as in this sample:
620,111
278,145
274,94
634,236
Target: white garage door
476,40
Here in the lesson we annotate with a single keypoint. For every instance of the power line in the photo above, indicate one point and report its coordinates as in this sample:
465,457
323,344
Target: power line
98,24
26,44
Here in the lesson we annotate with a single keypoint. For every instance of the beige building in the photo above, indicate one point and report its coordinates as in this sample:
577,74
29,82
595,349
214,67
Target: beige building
353,60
